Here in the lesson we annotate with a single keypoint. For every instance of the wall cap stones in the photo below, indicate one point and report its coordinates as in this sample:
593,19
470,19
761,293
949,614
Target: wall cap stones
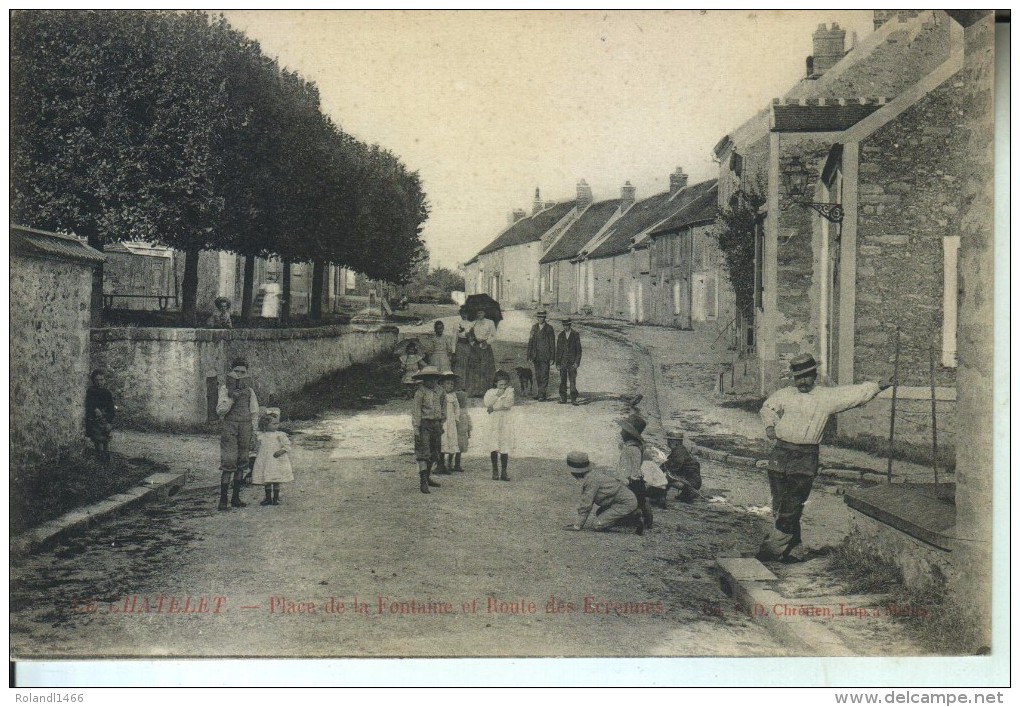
185,334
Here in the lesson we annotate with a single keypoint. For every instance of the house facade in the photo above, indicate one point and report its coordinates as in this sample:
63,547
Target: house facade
860,168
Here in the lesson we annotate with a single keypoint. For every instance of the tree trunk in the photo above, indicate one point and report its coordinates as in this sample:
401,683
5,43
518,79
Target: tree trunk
249,286
189,288
318,275
285,304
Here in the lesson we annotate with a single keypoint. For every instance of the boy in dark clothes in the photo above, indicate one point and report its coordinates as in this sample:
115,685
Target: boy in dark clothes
99,414
682,470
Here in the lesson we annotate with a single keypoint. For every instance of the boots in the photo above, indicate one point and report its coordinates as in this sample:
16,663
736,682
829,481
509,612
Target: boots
504,459
428,477
276,494
456,462
639,523
441,466
423,478
268,500
494,458
235,498
223,496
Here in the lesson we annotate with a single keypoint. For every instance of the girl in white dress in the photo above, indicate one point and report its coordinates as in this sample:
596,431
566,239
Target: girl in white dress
499,403
450,444
272,464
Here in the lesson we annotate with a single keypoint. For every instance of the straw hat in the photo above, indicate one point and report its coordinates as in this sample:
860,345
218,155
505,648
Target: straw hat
428,372
803,365
634,425
578,463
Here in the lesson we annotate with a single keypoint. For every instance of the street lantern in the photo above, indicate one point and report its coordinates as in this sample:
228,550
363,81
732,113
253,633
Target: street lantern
795,179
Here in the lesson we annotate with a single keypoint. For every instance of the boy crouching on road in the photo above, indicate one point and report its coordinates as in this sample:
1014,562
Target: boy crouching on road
617,505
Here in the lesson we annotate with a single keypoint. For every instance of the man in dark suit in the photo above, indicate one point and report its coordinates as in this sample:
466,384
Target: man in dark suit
541,352
568,360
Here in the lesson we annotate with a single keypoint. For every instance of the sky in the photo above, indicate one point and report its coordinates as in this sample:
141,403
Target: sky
489,105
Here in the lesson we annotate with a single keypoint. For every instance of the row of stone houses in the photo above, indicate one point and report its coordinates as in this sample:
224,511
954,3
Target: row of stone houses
653,260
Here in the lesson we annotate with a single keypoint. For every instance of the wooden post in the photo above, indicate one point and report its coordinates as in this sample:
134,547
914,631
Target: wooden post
892,415
934,431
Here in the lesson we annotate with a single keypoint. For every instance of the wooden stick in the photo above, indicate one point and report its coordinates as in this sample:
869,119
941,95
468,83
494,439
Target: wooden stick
892,416
934,431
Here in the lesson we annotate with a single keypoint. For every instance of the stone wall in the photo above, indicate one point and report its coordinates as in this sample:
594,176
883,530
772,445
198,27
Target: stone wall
911,174
49,355
166,376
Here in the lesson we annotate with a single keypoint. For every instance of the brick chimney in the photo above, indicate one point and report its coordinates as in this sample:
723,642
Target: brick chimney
536,205
883,16
584,197
677,181
627,196
828,49
516,215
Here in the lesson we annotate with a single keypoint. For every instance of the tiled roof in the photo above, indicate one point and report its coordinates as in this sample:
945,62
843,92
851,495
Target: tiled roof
31,241
582,230
645,214
793,117
703,208
529,229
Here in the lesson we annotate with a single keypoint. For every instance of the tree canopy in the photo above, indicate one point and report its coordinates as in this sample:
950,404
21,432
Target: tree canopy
175,128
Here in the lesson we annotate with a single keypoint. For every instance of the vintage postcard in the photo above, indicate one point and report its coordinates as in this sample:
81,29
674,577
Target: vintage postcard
435,334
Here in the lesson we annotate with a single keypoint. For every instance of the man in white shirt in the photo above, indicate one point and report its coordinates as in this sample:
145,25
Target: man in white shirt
795,418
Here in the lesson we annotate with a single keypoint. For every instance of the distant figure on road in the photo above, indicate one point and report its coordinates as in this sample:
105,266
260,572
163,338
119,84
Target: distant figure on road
428,411
238,409
541,352
568,360
608,493
439,350
482,364
272,465
220,319
795,418
99,414
499,403
682,470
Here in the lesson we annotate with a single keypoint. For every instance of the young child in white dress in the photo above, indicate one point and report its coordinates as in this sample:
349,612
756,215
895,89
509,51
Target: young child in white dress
450,444
272,465
499,403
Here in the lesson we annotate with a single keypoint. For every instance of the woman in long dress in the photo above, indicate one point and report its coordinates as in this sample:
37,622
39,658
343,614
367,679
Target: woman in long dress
462,349
482,367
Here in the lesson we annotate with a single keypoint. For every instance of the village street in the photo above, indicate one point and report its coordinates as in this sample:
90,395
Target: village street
180,578
355,525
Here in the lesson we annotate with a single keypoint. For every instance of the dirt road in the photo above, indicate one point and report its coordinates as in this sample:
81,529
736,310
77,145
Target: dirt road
357,562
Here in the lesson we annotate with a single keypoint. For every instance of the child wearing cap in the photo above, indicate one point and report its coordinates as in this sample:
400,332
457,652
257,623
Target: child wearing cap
616,504
682,470
428,411
632,450
272,463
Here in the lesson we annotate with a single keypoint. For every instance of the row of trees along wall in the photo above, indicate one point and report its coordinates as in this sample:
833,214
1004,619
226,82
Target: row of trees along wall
174,128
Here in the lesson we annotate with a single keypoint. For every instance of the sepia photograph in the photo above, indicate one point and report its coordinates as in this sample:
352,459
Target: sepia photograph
502,334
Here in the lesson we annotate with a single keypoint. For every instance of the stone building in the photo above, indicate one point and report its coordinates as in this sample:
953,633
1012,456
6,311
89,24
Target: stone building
508,268
50,293
688,278
874,141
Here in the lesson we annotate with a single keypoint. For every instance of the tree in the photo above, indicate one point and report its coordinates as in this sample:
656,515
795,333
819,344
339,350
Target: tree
737,224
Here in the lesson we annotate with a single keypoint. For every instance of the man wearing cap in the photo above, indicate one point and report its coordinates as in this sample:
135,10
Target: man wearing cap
795,417
238,409
541,351
568,360
616,503
428,412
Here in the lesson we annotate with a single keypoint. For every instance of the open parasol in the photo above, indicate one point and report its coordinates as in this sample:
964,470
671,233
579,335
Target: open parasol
485,303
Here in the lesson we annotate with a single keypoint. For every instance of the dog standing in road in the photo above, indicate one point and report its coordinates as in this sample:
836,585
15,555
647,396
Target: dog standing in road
526,379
